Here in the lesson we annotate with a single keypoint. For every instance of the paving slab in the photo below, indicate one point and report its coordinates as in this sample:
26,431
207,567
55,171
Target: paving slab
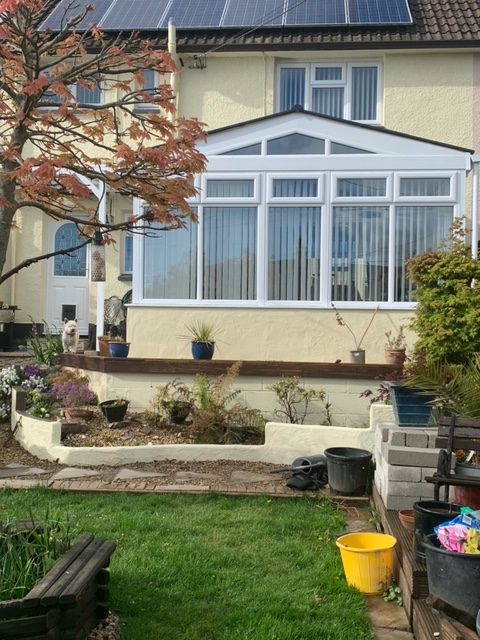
11,471
186,476
247,477
130,474
73,472
387,615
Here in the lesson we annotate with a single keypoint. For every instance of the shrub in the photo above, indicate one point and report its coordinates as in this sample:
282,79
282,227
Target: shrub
216,419
164,399
447,318
294,400
47,349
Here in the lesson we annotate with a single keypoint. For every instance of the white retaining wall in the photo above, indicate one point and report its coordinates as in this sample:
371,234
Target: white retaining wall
283,443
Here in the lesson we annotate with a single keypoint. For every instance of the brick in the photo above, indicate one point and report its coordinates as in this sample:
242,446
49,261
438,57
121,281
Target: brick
398,502
404,474
410,489
416,439
397,438
412,457
428,471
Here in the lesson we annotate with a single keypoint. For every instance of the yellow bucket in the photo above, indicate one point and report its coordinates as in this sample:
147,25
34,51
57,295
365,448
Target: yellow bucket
367,560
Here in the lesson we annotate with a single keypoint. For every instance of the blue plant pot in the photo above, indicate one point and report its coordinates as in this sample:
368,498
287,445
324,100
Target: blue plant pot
119,349
203,350
411,407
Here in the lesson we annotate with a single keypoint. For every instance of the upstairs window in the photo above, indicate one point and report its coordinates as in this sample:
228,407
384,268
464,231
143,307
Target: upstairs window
348,91
91,95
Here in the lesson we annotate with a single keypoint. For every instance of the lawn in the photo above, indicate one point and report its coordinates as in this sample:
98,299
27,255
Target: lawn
211,567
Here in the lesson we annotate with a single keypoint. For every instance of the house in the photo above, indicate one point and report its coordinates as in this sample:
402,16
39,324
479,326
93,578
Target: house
342,140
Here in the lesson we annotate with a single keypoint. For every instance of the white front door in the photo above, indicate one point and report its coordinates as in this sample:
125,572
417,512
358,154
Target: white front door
67,286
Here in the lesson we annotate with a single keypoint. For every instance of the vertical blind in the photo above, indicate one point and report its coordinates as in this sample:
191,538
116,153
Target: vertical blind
329,101
294,253
230,253
360,254
425,187
170,263
230,188
292,88
295,188
361,187
364,93
417,229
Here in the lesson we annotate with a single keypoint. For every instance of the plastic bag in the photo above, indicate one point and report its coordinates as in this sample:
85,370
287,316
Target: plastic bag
462,534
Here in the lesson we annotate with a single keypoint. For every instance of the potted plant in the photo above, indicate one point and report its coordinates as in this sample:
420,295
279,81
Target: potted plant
103,342
202,337
357,355
114,410
395,347
118,347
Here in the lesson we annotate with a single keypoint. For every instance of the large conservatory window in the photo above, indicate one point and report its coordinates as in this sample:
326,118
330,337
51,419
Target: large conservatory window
170,263
360,254
294,253
417,229
229,253
347,91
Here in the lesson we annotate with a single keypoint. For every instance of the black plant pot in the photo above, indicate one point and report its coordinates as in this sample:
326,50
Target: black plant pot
179,411
113,410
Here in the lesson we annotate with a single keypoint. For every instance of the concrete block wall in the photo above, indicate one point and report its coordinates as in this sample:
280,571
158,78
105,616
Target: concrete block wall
403,458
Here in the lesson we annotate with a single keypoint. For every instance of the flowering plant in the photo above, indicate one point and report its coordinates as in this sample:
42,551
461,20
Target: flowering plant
73,394
343,323
396,341
9,377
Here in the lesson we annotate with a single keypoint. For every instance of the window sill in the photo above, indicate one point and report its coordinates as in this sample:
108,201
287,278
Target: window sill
125,277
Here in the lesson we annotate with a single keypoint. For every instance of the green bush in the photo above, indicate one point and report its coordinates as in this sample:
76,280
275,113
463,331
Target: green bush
447,318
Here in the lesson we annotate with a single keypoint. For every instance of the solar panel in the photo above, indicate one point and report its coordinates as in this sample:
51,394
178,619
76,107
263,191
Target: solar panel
247,13
195,13
379,12
64,11
310,12
125,14
191,14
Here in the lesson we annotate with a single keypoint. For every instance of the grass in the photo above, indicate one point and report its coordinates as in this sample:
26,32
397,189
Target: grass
211,567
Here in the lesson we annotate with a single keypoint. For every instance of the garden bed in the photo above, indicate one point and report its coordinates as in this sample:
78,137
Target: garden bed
69,601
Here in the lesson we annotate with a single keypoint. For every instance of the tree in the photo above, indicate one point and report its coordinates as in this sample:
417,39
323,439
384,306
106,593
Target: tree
48,151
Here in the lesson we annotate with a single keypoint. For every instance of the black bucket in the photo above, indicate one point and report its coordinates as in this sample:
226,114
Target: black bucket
348,470
454,578
428,515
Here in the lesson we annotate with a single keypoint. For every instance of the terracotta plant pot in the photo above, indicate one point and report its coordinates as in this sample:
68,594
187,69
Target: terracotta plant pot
407,518
103,349
395,356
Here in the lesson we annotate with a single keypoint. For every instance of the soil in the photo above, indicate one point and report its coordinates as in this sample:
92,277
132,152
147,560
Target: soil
132,431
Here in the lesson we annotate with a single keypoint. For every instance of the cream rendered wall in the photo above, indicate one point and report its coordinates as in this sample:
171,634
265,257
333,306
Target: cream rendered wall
229,90
262,334
430,95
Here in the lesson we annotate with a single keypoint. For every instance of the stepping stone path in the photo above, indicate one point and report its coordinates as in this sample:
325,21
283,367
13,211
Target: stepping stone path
130,474
186,476
13,470
72,472
247,477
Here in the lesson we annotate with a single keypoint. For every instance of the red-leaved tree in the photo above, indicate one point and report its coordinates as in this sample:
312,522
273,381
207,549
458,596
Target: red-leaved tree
49,141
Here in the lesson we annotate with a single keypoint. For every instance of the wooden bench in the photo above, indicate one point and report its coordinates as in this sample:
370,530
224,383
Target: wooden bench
454,433
69,600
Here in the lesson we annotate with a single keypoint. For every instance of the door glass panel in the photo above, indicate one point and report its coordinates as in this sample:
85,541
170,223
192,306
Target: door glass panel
75,262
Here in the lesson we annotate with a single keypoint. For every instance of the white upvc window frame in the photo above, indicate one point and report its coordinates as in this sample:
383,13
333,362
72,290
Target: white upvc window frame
296,201
361,200
452,197
345,82
148,106
255,199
